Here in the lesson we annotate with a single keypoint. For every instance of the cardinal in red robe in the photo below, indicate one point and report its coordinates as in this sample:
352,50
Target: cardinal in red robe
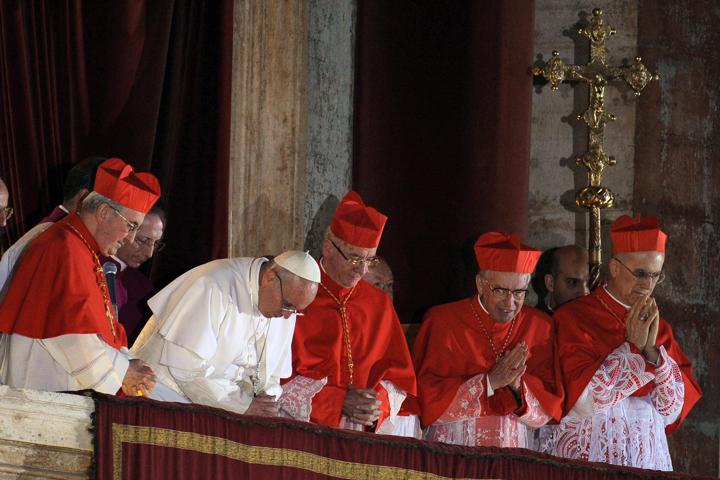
487,367
351,364
60,330
627,380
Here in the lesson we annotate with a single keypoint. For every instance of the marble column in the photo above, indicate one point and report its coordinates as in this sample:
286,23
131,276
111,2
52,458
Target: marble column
269,126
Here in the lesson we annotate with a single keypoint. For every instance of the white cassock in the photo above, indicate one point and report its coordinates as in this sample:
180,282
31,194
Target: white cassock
207,339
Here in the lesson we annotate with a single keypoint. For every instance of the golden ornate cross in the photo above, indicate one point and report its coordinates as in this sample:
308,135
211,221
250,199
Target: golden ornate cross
596,74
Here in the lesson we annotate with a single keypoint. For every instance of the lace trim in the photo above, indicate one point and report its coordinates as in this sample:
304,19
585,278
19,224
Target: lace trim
296,399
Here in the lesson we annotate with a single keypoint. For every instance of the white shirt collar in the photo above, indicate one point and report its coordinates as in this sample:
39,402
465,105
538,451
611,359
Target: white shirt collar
481,304
627,307
65,210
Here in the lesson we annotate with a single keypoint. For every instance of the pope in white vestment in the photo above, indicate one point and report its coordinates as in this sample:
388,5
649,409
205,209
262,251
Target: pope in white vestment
209,341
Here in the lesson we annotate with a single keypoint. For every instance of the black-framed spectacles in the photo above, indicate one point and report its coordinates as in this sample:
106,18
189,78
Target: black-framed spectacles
354,260
131,226
7,212
502,292
641,274
286,306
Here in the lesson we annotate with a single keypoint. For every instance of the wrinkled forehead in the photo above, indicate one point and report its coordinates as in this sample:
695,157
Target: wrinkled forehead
509,280
651,261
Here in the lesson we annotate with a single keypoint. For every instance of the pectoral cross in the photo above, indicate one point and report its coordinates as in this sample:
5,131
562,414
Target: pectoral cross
597,75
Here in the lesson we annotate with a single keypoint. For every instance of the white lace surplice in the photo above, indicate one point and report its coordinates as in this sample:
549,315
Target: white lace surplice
609,425
467,422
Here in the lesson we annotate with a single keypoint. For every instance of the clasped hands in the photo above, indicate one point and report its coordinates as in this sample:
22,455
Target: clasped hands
641,327
509,368
362,406
139,379
263,405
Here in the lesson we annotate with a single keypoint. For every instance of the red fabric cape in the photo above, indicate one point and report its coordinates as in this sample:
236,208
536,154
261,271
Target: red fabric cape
54,289
378,345
588,332
451,348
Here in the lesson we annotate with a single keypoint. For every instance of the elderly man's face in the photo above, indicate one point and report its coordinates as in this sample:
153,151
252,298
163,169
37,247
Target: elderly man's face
113,229
4,199
346,264
282,293
571,280
138,251
502,293
626,272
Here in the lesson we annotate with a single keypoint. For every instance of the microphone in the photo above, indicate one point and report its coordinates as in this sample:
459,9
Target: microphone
110,270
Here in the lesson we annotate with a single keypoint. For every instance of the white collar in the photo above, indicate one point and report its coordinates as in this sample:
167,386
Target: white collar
627,307
65,210
481,304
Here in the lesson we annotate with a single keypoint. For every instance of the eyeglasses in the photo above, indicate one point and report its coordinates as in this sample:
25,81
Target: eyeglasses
131,226
502,293
285,305
355,260
156,246
7,212
641,274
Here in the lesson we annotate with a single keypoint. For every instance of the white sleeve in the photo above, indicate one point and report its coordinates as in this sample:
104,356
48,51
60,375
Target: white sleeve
89,360
195,378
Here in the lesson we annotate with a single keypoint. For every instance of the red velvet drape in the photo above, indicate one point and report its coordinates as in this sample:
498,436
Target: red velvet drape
442,137
141,439
148,81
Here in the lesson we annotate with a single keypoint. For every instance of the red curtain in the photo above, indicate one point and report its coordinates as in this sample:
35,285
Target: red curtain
148,81
142,439
442,134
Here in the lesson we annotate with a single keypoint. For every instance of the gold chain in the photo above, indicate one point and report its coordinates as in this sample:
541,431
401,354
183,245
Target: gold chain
99,277
346,331
490,340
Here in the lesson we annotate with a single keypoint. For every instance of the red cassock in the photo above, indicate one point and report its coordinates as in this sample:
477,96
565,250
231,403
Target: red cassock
590,328
451,348
378,346
54,290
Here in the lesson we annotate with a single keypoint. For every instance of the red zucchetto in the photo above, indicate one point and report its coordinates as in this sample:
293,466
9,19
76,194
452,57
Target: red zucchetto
357,224
117,181
501,252
637,235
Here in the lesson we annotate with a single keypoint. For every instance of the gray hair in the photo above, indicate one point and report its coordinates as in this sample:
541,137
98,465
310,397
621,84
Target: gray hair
91,203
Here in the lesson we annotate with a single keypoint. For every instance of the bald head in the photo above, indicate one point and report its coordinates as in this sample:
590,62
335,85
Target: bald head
568,277
380,276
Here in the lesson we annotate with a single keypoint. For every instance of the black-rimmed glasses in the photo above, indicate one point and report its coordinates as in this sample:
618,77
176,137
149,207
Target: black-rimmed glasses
355,260
286,306
641,274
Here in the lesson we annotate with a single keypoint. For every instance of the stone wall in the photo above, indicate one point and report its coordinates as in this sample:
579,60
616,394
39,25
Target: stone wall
330,123
677,177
